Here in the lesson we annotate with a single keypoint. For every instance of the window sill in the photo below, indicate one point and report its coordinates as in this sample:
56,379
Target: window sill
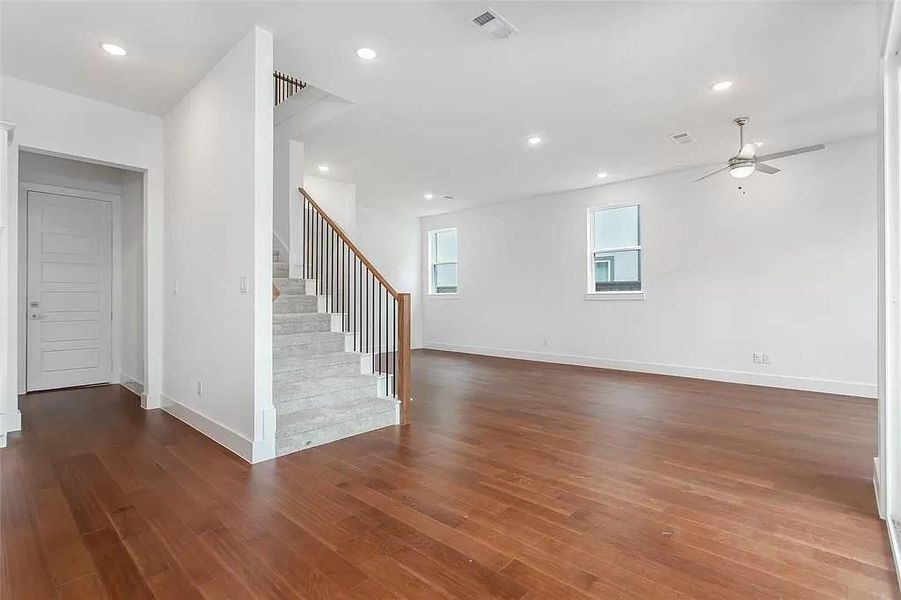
614,296
447,296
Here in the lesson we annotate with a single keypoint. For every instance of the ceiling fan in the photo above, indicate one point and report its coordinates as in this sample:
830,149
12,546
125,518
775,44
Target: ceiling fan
746,161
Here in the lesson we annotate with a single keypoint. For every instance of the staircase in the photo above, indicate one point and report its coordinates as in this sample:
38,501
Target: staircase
322,392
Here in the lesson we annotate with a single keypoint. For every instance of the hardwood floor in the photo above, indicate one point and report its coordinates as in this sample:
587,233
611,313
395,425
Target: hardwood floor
515,480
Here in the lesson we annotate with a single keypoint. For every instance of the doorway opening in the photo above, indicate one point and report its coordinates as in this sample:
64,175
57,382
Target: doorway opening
81,274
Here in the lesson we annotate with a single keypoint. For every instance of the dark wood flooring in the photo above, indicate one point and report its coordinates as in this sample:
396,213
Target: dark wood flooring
515,480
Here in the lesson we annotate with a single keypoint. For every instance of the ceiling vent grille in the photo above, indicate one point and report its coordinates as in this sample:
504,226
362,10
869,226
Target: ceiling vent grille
494,25
682,139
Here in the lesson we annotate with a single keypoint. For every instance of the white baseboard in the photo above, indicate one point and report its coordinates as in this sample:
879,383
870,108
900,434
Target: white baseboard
845,388
12,421
877,488
9,422
894,537
132,384
251,451
219,433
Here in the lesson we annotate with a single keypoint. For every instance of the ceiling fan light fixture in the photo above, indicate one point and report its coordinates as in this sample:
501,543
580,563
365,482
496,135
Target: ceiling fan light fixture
741,171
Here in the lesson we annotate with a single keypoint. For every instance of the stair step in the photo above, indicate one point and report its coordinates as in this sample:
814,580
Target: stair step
295,304
304,322
293,385
329,399
322,365
287,368
305,337
280,269
306,429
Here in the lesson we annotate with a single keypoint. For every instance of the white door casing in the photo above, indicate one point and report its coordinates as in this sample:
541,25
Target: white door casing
69,300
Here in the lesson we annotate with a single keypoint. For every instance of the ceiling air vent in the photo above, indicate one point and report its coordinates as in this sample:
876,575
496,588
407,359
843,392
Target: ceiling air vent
494,25
682,138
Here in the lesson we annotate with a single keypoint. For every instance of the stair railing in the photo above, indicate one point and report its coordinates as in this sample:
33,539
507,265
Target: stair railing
377,315
285,86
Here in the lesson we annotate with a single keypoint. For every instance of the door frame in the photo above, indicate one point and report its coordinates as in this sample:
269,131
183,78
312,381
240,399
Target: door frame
887,465
115,279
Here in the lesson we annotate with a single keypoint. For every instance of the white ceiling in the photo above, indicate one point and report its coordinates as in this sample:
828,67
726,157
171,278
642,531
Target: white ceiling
446,109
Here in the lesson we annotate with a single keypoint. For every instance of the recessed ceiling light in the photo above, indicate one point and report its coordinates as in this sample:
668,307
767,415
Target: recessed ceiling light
721,86
323,168
366,53
428,196
534,140
602,175
113,49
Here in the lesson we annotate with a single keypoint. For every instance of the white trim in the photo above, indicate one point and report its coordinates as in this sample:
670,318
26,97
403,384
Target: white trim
894,538
443,296
877,488
9,422
614,295
133,385
827,386
219,433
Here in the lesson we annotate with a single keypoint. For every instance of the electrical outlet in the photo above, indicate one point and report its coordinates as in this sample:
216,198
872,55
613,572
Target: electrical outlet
175,289
761,358
243,284
199,388
546,342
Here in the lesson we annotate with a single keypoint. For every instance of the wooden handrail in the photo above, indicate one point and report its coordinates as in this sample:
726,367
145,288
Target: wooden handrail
351,245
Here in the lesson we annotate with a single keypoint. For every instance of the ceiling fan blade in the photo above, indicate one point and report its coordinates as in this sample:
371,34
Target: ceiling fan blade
711,173
748,150
785,153
769,170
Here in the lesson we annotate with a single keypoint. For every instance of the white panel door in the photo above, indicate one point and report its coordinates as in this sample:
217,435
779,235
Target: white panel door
69,291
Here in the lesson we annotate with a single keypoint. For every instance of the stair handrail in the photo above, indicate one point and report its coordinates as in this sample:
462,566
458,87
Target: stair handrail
350,243
402,387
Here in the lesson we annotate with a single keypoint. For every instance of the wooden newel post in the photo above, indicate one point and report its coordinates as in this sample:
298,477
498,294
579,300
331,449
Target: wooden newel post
404,373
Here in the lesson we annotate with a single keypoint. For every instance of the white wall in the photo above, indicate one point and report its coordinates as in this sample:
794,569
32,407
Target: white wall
56,122
128,254
219,177
288,165
391,242
788,269
337,199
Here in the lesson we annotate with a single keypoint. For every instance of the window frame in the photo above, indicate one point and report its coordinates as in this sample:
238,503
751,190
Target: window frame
431,240
590,291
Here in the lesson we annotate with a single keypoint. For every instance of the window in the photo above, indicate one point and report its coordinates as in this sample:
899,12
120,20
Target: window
443,261
615,250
